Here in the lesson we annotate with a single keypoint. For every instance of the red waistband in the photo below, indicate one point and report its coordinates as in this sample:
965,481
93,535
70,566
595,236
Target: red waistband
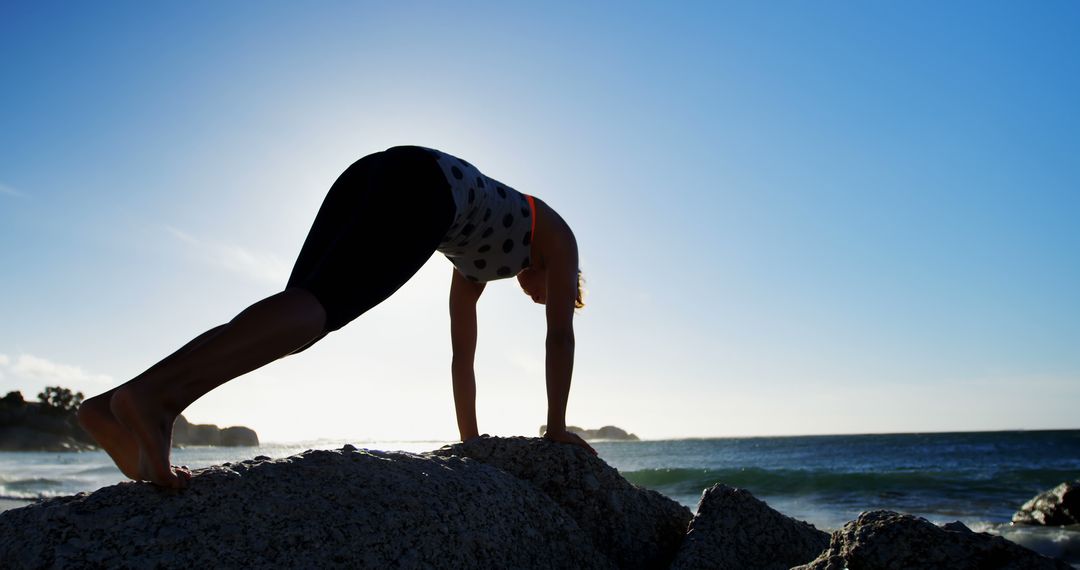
532,206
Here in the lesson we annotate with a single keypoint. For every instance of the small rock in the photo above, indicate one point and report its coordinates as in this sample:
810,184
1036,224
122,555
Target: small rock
956,526
734,530
1057,507
884,539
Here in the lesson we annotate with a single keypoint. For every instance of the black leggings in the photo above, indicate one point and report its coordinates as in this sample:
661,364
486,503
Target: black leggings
379,223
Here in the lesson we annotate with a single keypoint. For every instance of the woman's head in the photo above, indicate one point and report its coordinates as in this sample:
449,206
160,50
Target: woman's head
533,281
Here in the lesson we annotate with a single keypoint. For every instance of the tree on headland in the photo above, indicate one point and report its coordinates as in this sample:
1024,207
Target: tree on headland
13,398
60,399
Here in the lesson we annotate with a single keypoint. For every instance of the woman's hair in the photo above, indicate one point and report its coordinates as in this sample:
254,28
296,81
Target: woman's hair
579,303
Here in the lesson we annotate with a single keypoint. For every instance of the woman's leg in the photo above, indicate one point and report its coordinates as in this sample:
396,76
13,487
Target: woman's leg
147,405
97,419
96,414
400,194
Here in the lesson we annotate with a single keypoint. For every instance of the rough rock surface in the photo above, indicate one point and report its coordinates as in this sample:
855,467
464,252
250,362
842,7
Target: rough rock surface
1056,507
635,527
886,540
734,530
320,509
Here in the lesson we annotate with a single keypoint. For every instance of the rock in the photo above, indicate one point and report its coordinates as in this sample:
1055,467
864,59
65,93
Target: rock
956,525
1056,507
634,527
606,432
611,432
319,509
239,436
186,433
734,530
887,540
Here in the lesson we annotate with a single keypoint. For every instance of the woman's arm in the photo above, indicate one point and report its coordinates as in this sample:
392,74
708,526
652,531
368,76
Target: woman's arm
463,297
562,286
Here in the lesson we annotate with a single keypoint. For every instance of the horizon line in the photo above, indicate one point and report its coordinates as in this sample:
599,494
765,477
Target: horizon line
347,440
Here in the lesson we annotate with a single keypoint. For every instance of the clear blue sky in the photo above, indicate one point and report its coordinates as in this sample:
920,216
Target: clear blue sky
794,217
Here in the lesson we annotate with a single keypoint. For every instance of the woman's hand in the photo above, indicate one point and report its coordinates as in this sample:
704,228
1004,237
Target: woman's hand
568,437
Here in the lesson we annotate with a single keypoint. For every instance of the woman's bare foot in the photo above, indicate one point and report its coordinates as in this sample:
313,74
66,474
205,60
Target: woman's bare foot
151,426
97,419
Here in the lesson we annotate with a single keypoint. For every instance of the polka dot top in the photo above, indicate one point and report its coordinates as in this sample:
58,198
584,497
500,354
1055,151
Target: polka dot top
493,227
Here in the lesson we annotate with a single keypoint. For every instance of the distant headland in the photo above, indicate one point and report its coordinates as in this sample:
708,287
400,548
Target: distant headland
50,425
606,432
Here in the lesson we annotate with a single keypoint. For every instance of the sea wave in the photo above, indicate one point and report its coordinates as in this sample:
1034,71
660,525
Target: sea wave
23,488
29,483
31,489
109,469
1057,542
26,496
783,482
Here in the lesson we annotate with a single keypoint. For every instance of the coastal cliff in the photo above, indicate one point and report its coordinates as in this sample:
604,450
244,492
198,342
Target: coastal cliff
48,426
41,426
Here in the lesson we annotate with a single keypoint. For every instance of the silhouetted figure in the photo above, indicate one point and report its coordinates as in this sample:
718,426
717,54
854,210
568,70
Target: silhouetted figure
380,222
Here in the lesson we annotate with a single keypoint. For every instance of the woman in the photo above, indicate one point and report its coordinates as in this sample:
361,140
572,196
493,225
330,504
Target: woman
380,222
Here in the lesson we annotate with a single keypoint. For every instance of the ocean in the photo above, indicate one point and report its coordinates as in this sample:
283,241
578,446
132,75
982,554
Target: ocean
979,478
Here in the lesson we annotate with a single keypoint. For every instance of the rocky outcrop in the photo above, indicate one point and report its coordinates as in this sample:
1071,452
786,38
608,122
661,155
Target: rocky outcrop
733,530
186,433
346,508
634,527
239,436
887,540
491,502
30,426
604,433
1056,507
